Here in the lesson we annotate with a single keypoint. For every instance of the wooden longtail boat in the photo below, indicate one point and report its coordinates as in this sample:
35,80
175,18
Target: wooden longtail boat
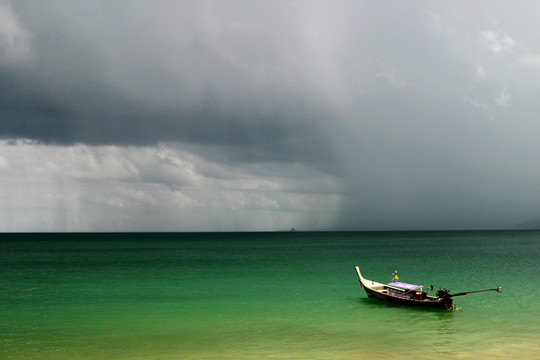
409,294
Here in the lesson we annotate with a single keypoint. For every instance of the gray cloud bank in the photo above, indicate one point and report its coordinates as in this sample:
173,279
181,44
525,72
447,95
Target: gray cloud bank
427,113
137,73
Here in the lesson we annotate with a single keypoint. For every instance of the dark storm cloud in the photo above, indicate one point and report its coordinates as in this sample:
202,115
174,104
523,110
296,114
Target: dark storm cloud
263,135
138,74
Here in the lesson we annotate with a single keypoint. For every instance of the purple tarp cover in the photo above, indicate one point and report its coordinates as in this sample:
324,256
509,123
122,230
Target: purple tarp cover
404,285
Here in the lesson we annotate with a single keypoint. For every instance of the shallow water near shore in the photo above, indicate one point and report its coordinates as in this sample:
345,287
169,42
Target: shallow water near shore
264,295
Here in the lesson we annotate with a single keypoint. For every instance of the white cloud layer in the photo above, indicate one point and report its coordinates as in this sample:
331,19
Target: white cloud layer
162,188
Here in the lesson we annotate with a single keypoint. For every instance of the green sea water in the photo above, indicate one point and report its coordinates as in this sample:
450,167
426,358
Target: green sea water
265,296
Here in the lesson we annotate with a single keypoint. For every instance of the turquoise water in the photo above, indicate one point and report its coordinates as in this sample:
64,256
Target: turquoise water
264,295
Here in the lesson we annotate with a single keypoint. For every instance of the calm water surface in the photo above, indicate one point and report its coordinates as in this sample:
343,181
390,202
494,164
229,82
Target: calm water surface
264,295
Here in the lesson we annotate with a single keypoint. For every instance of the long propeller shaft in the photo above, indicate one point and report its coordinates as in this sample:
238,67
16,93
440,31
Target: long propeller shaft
498,289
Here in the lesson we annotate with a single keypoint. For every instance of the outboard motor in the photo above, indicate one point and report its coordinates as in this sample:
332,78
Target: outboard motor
442,293
448,302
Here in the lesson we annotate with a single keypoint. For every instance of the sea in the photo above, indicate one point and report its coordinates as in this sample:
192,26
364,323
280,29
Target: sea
268,295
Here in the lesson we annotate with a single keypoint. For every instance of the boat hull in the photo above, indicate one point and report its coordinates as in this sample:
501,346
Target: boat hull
432,303
387,293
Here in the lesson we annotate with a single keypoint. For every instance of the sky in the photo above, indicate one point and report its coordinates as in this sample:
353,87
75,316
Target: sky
250,115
